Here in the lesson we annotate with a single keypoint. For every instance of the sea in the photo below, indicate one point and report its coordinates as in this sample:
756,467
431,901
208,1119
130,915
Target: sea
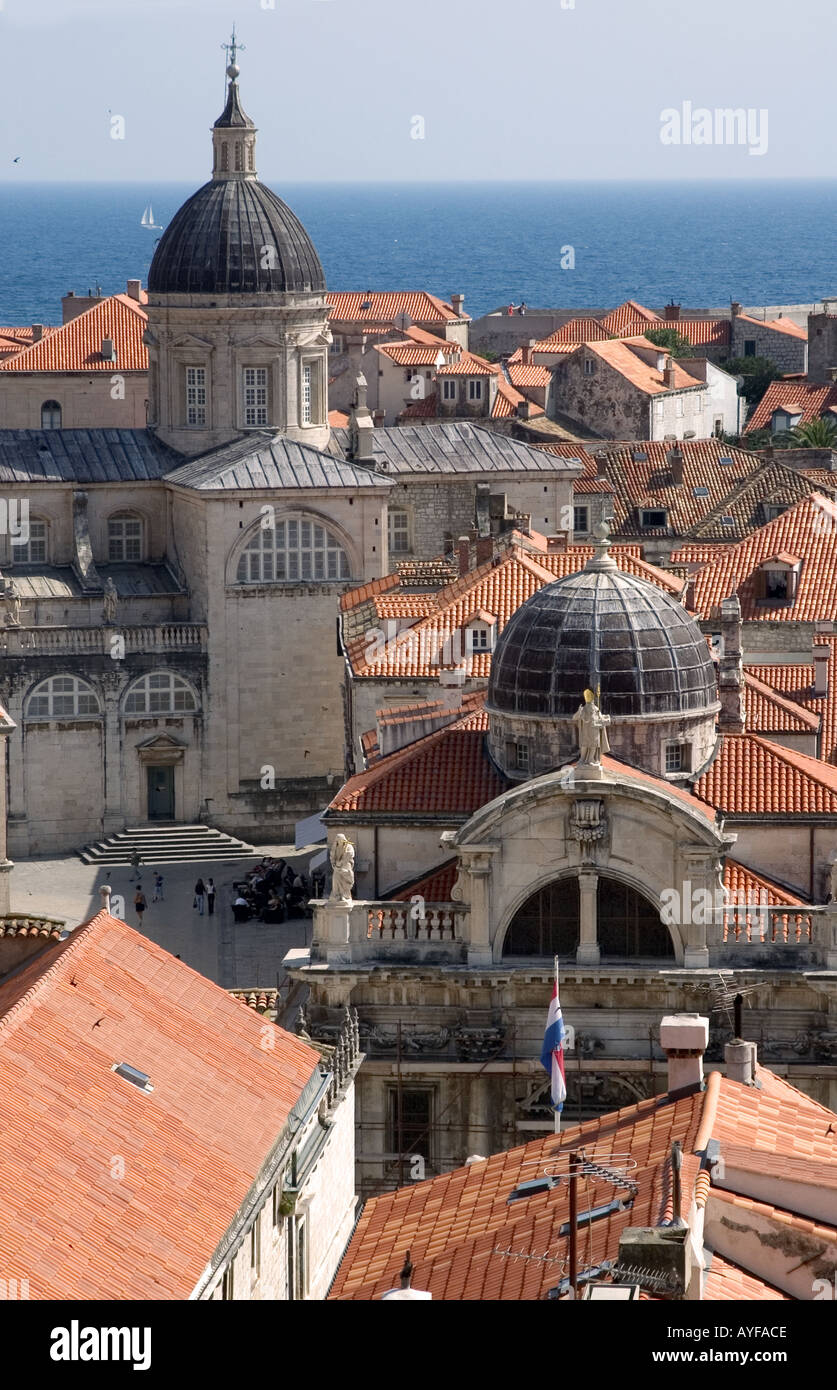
552,245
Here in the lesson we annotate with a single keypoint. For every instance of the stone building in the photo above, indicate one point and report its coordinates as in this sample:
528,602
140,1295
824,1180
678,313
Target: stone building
671,869
631,389
170,594
227,1168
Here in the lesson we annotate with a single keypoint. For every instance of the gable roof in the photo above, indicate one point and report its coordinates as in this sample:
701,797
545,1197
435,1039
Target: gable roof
458,1225
192,1147
259,463
768,712
811,399
780,325
752,776
453,446
627,313
618,354
384,306
83,456
77,346
809,530
795,683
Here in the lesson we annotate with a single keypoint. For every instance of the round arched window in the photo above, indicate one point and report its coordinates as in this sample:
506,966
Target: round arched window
293,549
62,697
160,692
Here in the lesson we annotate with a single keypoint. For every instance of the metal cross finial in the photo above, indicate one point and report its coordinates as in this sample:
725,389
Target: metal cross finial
232,49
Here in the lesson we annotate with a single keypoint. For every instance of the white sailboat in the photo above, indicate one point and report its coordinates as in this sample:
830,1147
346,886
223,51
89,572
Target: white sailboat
147,219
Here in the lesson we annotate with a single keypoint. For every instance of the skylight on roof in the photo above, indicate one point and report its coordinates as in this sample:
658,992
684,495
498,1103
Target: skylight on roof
136,1078
640,456
701,491
727,520
530,1189
725,459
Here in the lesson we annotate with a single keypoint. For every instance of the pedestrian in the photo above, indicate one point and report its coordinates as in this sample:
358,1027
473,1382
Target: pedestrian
136,860
522,309
200,892
140,903
210,897
158,889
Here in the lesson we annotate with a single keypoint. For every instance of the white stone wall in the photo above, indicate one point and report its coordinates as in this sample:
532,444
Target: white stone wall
86,399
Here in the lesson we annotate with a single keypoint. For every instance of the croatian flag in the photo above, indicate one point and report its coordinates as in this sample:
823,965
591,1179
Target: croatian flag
552,1052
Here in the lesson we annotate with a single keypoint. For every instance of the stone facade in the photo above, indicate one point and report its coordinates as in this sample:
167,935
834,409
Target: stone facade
749,338
100,401
608,403
822,345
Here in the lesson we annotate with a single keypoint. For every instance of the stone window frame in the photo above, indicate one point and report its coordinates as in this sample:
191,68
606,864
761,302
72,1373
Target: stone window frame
201,405
406,530
480,630
22,554
267,387
449,392
475,389
145,684
577,509
683,749
53,407
116,541
653,511
63,686
261,534
311,398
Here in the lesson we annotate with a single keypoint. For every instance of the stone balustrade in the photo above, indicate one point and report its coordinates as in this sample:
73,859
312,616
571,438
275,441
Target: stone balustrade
399,921
98,641
358,931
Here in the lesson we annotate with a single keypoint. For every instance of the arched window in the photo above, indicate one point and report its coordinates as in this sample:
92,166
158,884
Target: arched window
161,692
398,523
291,550
51,415
548,923
124,537
33,550
62,697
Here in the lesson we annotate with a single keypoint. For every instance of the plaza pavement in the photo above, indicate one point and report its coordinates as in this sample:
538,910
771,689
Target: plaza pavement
234,955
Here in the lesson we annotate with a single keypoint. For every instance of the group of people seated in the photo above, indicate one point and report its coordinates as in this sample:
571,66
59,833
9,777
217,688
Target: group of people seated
271,892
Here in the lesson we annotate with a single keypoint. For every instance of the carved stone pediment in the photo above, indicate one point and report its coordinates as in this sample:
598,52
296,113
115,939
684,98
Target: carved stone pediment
588,826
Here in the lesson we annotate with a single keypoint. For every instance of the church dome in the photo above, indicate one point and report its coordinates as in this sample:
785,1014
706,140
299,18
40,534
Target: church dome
601,628
235,236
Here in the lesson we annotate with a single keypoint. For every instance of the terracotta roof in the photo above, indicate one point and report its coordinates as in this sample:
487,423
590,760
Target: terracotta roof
701,331
750,886
469,365
796,683
576,331
754,777
337,419
767,712
507,401
809,530
448,773
77,346
434,887
192,1147
458,1226
778,326
522,376
812,400
18,924
426,409
385,306
619,355
627,314
409,354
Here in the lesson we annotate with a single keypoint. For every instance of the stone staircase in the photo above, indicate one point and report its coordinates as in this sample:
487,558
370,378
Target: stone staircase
166,844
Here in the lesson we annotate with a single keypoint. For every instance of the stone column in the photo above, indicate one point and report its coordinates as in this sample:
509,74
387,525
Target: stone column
113,811
477,863
588,952
15,827
701,881
6,727
332,930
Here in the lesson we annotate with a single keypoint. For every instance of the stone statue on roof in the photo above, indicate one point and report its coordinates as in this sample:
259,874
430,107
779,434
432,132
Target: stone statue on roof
342,870
12,600
591,728
110,603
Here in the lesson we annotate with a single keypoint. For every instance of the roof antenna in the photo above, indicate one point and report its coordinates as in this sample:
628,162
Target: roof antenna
738,1016
676,1185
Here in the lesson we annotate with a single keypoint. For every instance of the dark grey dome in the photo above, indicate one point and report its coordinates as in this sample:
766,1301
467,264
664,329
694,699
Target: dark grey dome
601,627
234,236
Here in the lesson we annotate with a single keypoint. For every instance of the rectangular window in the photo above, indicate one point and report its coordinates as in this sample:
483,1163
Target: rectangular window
228,1283
589,366
196,396
399,532
336,345
124,539
309,408
675,758
448,389
679,407
651,517
479,639
256,1247
474,390
580,519
410,1123
749,347
777,584
33,551
255,396
521,757
298,1258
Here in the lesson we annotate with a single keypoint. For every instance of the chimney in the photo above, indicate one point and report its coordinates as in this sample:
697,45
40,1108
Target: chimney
601,465
735,309
688,599
37,332
675,463
740,1056
361,424
672,312
108,350
405,1291
135,289
463,554
731,669
378,417
485,549
684,1038
457,302
104,894
668,373
526,356
822,655
557,545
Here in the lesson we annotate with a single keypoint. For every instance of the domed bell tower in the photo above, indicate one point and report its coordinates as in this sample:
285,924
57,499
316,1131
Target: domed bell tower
237,316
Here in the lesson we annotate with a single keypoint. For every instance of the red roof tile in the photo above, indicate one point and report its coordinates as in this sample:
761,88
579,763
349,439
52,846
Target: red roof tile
811,400
780,325
627,314
767,712
619,355
77,346
192,1147
385,306
751,776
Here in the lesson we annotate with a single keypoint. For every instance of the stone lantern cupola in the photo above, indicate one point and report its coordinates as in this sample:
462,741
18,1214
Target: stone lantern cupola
237,315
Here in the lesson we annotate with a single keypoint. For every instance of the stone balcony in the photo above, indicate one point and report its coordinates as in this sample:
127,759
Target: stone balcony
356,933
98,641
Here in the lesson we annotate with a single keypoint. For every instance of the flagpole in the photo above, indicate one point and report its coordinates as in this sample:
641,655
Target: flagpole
557,1113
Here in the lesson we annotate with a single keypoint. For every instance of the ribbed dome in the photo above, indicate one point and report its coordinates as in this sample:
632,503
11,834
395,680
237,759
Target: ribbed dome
234,236
601,627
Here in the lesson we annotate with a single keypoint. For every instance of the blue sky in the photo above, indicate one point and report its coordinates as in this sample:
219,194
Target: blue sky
534,89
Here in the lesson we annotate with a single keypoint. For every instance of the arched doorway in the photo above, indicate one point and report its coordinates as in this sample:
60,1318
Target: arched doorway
627,925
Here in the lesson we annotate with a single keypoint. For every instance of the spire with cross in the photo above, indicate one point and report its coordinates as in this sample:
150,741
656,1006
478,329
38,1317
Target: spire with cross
232,50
